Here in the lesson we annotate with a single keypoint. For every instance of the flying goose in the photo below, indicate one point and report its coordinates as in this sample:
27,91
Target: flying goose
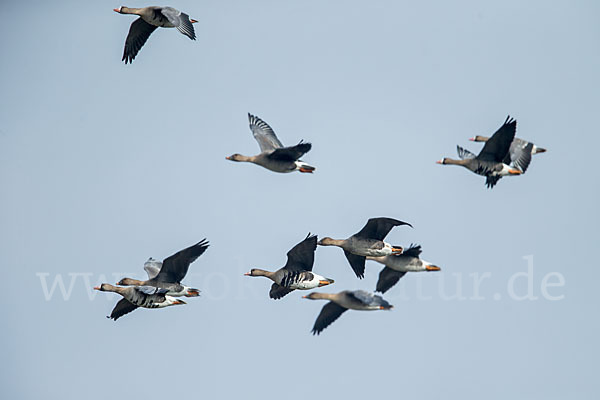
397,265
367,242
490,161
273,156
515,156
342,301
168,274
297,272
138,296
149,19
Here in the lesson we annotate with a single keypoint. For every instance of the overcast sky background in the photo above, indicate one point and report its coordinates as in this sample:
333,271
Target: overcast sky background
103,165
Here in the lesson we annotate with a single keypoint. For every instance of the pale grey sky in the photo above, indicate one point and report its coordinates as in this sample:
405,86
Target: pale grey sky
103,165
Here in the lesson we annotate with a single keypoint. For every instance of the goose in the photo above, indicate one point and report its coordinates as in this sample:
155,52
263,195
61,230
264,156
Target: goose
297,272
138,296
489,162
169,273
342,301
273,156
149,19
397,265
518,148
367,242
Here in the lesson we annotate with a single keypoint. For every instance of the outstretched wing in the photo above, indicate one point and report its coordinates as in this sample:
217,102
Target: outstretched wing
496,148
520,155
464,154
491,180
291,153
369,299
139,32
302,256
357,263
176,266
152,267
378,228
388,278
412,251
123,307
264,134
180,20
277,291
329,313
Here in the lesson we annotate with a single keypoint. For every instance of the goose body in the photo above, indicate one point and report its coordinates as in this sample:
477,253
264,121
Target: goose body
396,266
490,162
297,273
519,152
274,156
342,301
138,296
169,273
149,19
367,243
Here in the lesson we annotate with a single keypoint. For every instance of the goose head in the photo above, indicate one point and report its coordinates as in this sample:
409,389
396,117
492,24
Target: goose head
327,241
478,138
316,296
128,282
105,287
257,272
236,157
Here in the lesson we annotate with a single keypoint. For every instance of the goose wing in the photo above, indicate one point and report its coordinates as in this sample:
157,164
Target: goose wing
123,307
158,294
496,148
463,153
302,256
291,153
264,134
491,180
152,267
180,20
357,263
277,291
368,299
412,251
329,313
175,267
520,154
388,278
378,228
139,32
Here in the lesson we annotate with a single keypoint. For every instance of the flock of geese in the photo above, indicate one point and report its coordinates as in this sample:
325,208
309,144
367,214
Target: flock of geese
502,155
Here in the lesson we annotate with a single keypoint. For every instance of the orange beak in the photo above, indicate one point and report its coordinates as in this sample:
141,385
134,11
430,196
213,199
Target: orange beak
247,274
304,297
115,9
325,283
228,158
514,172
96,287
433,268
193,21
439,162
397,250
310,171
